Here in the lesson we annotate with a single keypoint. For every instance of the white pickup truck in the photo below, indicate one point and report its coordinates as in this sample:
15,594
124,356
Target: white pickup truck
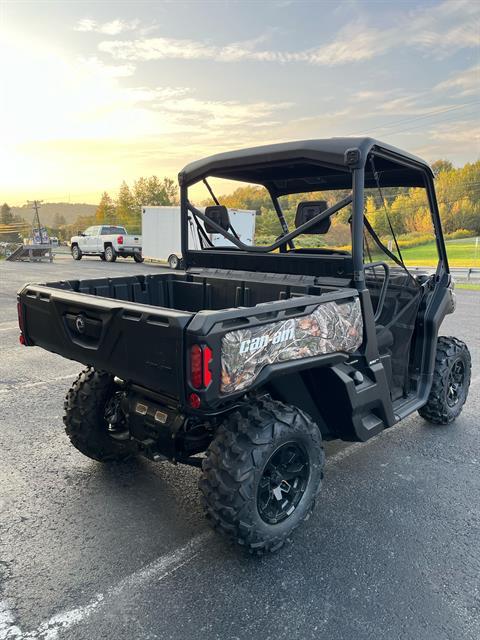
108,242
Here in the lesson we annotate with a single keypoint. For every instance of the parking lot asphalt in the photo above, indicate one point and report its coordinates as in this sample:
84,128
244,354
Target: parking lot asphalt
89,551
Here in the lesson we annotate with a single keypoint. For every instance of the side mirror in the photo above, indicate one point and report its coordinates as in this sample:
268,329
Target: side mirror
308,210
218,214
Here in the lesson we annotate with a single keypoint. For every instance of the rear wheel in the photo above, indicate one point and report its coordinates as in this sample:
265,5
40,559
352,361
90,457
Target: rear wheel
76,253
173,261
138,257
88,403
262,473
110,255
451,381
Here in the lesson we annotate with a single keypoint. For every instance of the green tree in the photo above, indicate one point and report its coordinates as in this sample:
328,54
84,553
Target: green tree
171,190
126,211
441,165
105,213
59,221
6,216
154,192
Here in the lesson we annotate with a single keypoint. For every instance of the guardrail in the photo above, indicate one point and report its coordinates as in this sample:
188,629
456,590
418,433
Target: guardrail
463,273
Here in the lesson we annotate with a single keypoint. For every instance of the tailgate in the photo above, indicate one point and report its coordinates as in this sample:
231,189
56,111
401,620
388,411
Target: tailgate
136,342
133,241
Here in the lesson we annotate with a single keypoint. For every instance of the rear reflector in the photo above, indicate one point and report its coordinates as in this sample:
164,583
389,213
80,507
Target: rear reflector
194,400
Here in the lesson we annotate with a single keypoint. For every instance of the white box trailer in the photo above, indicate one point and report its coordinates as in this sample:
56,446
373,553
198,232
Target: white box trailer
161,233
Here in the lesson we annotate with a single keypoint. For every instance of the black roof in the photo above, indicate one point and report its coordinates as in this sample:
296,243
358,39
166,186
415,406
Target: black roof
309,165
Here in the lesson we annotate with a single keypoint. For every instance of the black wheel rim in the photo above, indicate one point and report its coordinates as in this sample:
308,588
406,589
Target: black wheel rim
283,483
455,383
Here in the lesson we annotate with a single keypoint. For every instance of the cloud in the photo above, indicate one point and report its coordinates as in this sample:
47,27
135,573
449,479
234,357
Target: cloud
113,28
86,98
437,31
465,83
352,44
445,28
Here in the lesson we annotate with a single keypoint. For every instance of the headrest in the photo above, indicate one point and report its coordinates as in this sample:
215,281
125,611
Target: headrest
218,214
308,210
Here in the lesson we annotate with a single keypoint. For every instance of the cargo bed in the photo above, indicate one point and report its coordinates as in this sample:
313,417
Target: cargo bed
135,326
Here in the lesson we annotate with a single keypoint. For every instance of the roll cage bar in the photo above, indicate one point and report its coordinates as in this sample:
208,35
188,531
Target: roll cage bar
283,240
355,162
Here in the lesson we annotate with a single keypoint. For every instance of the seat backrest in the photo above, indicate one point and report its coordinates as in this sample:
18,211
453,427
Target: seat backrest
307,210
218,214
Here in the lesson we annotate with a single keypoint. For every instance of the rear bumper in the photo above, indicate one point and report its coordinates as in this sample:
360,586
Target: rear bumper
129,251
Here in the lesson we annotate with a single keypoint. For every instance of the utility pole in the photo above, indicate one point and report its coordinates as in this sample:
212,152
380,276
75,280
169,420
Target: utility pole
36,218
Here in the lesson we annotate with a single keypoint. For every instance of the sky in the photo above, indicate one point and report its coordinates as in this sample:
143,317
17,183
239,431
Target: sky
93,93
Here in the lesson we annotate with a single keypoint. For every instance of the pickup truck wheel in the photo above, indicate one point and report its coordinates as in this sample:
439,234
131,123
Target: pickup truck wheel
451,381
76,253
84,417
138,257
262,473
102,257
110,255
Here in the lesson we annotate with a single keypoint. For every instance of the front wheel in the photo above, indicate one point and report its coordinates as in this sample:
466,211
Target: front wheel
451,381
138,257
76,253
262,473
110,255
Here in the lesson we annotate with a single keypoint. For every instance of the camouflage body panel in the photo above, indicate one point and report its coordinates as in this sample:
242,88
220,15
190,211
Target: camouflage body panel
332,327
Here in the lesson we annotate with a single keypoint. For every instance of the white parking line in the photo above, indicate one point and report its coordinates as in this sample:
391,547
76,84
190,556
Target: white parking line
8,326
157,570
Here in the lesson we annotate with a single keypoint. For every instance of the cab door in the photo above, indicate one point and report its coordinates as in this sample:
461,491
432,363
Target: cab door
91,240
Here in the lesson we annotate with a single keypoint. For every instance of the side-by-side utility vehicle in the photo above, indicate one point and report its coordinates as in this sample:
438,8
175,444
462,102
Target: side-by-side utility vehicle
245,362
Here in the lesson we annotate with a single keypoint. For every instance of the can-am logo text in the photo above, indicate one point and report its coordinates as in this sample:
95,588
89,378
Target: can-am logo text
249,346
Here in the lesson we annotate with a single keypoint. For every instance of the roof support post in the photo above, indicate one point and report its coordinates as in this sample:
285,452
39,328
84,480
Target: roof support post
357,227
184,219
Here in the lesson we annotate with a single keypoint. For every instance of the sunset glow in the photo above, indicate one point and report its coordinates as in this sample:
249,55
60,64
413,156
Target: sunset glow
94,94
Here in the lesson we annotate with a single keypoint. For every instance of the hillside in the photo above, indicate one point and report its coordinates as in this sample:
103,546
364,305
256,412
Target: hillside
70,211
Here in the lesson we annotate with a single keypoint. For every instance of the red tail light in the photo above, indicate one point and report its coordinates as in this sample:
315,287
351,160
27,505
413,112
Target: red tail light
207,358
200,359
196,366
120,239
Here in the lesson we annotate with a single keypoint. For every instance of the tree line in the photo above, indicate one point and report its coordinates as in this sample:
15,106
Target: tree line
123,208
11,228
126,208
458,195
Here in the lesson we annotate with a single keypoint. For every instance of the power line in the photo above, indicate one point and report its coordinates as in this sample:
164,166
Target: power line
428,114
